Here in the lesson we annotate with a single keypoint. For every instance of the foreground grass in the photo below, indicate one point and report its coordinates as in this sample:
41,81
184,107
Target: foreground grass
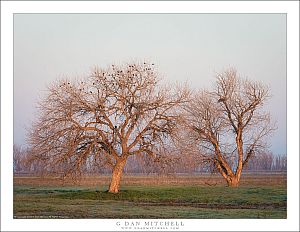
151,202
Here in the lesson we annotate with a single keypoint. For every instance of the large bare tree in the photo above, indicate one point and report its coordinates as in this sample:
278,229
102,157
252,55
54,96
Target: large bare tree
230,123
114,113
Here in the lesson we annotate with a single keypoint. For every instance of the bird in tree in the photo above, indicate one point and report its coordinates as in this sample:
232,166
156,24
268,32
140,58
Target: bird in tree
123,111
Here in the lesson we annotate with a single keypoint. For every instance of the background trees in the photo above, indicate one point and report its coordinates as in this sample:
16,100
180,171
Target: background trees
113,114
19,159
184,163
230,124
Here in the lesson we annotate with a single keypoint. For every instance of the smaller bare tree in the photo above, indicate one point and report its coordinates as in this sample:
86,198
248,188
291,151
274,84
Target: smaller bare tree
230,124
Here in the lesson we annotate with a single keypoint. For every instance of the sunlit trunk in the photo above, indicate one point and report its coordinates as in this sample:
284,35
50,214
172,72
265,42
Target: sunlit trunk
233,182
114,186
236,179
231,178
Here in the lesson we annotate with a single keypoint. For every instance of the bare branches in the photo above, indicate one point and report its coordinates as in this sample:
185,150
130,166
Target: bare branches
112,114
234,106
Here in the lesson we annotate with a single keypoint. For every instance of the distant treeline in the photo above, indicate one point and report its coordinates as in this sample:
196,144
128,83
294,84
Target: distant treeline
166,164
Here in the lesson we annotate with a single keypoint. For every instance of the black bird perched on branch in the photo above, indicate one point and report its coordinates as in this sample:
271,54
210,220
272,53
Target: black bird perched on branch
222,99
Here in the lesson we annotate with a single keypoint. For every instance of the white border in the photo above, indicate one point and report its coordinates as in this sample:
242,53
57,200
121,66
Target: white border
7,11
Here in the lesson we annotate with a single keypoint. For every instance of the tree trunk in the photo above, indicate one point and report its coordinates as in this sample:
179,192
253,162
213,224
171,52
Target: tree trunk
114,186
233,182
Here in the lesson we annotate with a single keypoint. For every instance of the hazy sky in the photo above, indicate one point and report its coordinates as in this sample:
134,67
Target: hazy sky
189,47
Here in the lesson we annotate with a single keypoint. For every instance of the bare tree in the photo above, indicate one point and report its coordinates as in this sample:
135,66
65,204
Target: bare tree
18,159
113,114
280,163
230,124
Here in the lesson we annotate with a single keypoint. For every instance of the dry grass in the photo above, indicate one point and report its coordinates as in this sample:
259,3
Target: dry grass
266,179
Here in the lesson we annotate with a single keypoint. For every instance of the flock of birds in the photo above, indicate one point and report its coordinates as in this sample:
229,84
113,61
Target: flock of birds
110,75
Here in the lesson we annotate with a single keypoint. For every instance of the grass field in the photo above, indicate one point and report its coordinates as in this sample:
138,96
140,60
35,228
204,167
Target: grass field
259,196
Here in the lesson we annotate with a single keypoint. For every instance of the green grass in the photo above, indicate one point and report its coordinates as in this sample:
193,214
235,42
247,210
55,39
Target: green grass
151,202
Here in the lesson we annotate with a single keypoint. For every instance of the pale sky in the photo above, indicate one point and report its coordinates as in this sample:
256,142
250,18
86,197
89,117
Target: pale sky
184,47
